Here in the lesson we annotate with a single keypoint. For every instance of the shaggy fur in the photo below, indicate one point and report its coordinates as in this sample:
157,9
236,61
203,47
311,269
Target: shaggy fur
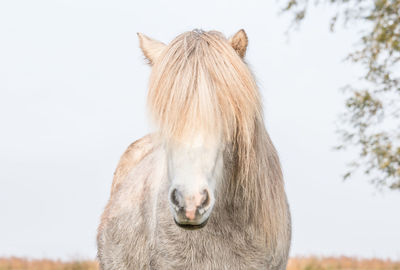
199,85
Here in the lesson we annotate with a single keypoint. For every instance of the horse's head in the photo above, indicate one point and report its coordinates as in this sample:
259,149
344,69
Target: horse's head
187,101
194,168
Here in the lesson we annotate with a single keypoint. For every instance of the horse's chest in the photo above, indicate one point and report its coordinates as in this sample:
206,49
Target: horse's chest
203,249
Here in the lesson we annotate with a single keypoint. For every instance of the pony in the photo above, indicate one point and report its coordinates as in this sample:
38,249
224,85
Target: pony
205,190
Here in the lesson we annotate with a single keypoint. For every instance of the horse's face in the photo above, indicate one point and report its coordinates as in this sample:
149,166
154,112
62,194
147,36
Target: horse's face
194,167
193,170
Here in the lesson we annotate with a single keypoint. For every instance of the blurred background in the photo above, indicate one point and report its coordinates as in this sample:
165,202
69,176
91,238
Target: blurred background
73,85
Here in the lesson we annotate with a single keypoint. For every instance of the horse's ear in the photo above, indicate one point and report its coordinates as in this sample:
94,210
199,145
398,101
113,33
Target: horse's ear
151,48
239,42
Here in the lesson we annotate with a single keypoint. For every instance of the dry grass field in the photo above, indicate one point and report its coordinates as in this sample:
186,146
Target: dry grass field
44,264
298,263
342,263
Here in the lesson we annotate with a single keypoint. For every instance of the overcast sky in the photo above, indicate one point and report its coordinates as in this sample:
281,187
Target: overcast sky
73,87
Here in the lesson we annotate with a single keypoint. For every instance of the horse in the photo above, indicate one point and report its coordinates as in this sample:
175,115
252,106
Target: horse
205,189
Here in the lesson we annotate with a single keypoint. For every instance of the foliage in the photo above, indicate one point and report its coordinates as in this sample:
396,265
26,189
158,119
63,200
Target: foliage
370,122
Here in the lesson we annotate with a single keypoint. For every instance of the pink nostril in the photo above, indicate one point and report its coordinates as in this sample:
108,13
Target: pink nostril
190,214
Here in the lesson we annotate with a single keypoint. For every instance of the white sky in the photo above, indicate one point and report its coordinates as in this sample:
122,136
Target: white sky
72,98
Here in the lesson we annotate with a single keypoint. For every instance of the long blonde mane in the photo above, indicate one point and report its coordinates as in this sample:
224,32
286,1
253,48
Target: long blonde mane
200,85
